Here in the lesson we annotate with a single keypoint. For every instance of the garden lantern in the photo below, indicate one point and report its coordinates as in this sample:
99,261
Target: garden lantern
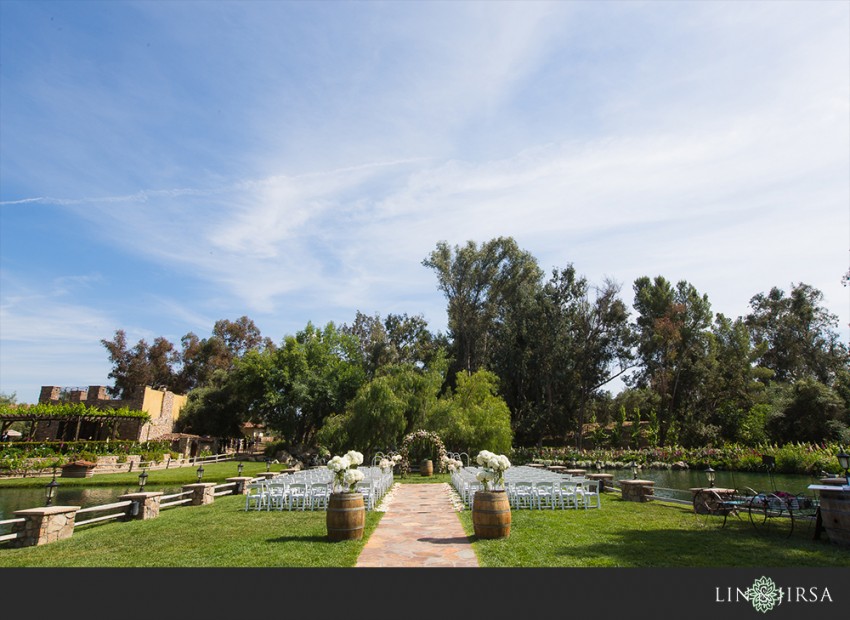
710,473
268,464
51,489
200,472
844,463
634,470
239,469
598,465
143,480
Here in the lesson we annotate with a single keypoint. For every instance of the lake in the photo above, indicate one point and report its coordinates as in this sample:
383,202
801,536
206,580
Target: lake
19,499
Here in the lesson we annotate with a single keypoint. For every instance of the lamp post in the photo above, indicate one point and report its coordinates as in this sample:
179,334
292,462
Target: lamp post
634,470
239,469
200,473
143,480
710,473
51,488
844,463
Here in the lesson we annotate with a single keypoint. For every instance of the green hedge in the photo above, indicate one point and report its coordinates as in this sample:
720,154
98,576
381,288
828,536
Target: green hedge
792,458
25,457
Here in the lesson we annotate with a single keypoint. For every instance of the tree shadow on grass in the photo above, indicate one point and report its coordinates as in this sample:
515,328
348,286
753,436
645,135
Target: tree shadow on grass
734,545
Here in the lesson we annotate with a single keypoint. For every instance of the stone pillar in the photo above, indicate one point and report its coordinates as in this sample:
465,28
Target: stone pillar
202,493
44,525
148,504
96,392
637,490
241,484
606,481
49,393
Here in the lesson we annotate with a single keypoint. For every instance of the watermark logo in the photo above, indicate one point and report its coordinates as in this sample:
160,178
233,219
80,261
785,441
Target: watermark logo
764,595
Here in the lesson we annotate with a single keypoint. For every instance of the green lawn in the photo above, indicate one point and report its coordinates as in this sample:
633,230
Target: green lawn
174,476
221,534
629,534
621,534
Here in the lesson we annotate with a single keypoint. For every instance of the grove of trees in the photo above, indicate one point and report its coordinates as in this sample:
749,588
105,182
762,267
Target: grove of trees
527,360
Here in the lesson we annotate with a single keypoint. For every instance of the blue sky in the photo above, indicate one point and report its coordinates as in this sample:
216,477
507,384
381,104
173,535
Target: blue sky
164,165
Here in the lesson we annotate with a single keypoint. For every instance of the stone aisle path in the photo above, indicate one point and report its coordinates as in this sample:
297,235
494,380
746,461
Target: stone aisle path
420,528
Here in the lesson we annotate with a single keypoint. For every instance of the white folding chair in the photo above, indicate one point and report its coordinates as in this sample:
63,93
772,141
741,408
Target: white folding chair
257,496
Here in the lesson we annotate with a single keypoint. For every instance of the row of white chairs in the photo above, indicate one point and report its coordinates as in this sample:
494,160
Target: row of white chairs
534,490
311,490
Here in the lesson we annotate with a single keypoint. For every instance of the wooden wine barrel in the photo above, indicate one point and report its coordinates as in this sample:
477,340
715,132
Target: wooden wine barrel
426,468
835,515
491,514
346,516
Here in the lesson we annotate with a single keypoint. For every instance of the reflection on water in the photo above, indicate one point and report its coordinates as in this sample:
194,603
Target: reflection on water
20,499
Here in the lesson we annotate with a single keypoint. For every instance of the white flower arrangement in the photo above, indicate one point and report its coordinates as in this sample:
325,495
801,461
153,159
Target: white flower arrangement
493,467
396,459
385,464
351,477
355,457
345,470
454,464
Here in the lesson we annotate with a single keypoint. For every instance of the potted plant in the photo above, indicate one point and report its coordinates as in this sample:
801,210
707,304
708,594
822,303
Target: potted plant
491,510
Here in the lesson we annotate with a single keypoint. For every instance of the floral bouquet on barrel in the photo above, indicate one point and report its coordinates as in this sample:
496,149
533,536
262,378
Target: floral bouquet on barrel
346,474
493,467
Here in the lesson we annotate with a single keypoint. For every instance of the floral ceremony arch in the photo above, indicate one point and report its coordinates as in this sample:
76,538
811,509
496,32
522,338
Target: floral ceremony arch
431,436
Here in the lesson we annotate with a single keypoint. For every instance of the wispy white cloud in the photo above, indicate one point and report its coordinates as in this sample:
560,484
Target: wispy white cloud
311,173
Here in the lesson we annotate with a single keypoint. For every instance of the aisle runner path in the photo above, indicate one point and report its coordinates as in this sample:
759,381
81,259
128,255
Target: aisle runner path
420,528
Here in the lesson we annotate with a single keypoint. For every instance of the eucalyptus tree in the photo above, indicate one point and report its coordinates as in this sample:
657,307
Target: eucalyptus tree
799,335
399,339
733,381
672,344
161,365
481,285
141,365
579,340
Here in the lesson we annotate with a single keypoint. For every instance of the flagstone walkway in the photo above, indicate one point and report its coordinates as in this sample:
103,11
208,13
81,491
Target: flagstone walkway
420,528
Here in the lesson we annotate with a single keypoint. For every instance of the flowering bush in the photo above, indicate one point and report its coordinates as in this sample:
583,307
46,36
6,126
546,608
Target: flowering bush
345,470
493,467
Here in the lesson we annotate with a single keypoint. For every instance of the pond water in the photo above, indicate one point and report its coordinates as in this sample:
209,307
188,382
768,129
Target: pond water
686,479
20,499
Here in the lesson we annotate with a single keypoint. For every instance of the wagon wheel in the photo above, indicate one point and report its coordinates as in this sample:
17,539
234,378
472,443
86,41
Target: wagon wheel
771,515
708,506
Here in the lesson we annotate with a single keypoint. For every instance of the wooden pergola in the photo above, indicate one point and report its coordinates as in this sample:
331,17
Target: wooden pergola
75,419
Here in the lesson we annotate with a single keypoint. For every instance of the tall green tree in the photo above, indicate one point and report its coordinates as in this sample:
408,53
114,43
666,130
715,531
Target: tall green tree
481,284
141,365
799,335
672,329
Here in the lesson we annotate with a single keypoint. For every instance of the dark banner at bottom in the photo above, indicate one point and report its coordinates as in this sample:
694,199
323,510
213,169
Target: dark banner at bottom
693,594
